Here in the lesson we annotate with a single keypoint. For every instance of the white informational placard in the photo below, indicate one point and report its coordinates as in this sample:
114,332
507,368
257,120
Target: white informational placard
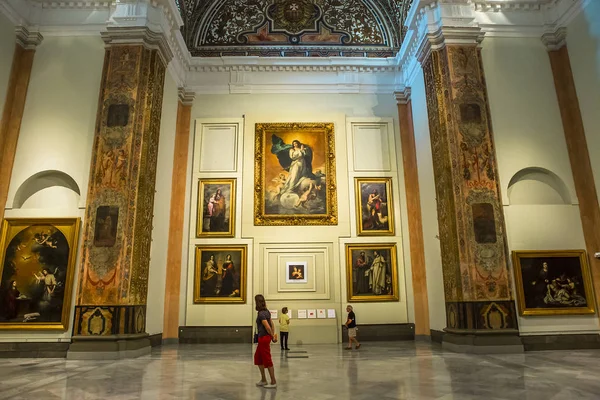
301,314
321,313
274,314
312,313
331,313
289,313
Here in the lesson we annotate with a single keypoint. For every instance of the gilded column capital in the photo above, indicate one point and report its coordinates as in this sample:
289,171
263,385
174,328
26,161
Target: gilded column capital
449,35
403,96
28,39
114,36
186,97
556,39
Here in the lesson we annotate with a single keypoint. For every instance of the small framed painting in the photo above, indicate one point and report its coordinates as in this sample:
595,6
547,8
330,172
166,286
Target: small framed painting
295,272
374,206
553,282
216,208
220,274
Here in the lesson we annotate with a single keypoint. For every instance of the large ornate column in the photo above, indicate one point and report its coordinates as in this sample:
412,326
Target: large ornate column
12,115
477,282
110,315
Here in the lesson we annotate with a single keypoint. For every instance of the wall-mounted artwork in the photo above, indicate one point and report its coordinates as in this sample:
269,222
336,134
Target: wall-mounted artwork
220,274
216,208
295,174
371,272
374,206
295,272
553,282
105,228
37,267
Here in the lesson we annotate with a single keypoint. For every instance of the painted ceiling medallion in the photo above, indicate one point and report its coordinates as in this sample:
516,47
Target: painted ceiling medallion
294,16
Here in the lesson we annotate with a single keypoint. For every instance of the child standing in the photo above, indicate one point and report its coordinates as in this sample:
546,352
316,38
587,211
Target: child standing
284,328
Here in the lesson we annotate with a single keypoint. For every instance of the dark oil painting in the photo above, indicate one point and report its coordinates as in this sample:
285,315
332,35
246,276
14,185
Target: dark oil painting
105,230
220,274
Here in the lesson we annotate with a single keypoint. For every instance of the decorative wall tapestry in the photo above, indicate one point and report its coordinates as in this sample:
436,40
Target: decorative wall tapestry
216,207
220,274
553,282
37,266
295,174
295,272
371,272
374,206
299,28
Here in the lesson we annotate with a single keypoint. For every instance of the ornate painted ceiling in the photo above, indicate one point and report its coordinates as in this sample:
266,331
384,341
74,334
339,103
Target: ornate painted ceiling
293,28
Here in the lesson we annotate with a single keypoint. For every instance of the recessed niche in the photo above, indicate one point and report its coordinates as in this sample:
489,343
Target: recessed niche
536,185
51,182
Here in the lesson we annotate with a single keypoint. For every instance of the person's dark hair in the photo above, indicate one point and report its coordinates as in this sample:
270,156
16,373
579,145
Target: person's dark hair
261,304
284,310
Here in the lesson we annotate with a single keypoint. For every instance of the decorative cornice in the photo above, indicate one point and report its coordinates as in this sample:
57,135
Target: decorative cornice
186,97
515,5
139,35
403,96
27,39
555,40
449,35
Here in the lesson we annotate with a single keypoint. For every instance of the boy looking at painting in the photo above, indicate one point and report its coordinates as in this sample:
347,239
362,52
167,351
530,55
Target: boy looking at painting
284,328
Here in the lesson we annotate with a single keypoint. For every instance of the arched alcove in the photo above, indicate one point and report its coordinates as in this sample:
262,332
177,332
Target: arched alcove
60,190
535,185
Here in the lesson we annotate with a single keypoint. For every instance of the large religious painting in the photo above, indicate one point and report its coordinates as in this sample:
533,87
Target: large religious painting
295,174
553,282
372,272
220,274
216,208
374,206
37,267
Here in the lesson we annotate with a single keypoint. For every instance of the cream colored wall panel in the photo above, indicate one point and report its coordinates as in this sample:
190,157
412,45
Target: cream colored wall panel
59,118
371,147
7,49
218,147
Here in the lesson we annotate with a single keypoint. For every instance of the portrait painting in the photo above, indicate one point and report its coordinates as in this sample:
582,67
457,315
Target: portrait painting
220,274
295,174
295,272
553,282
105,228
371,272
216,208
37,267
374,207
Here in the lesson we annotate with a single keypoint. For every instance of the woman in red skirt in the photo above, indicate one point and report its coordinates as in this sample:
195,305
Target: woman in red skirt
266,334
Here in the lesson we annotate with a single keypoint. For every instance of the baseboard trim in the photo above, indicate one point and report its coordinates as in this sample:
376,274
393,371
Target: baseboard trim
383,332
156,340
215,334
34,349
561,342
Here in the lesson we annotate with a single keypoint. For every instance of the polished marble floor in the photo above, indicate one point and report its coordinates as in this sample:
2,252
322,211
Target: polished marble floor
400,370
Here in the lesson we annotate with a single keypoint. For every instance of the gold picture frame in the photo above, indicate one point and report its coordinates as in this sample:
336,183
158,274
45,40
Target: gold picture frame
555,282
215,215
220,279
294,174
37,267
374,216
372,272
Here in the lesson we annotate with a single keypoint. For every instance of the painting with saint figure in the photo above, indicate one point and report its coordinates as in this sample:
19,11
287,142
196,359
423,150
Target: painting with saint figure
295,174
371,272
296,272
37,266
375,210
105,229
553,282
216,208
220,274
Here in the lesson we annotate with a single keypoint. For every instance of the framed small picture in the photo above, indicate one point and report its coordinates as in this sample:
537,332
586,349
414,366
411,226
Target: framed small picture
220,274
374,206
216,208
371,272
295,272
553,282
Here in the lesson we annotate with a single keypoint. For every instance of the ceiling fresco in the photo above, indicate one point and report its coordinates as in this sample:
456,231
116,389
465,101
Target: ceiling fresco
293,28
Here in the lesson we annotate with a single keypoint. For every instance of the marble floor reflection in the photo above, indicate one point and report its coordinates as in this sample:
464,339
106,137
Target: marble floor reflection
400,370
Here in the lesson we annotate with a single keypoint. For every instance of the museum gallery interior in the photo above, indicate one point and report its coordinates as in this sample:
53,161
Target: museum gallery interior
429,162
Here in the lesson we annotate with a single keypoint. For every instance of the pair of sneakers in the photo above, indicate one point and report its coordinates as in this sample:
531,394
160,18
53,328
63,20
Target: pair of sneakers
266,385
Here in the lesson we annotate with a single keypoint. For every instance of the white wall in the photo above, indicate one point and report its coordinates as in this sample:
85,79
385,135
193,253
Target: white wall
162,207
583,41
57,134
528,133
7,48
433,257
299,108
